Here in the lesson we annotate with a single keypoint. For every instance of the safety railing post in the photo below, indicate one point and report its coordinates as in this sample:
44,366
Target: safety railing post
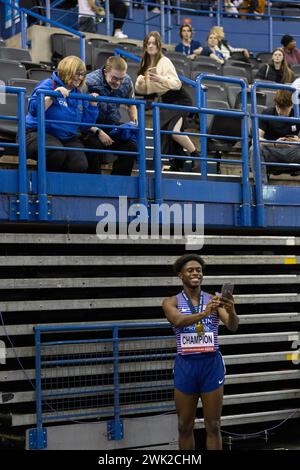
115,427
82,47
48,11
22,173
23,16
256,161
178,21
42,175
107,18
169,23
270,24
157,154
38,435
142,153
201,103
246,205
162,20
219,12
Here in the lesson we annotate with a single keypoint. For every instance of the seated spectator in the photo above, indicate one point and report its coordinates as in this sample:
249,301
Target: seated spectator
291,52
188,46
212,49
256,7
69,78
280,131
224,47
113,81
230,7
87,13
277,70
158,75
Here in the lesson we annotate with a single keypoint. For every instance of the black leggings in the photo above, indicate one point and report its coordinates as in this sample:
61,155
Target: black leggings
59,160
119,10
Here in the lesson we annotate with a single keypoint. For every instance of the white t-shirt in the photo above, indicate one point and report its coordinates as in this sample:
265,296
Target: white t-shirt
84,8
296,84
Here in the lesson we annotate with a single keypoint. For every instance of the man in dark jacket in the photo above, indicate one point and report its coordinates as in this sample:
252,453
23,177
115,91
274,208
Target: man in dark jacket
112,80
284,135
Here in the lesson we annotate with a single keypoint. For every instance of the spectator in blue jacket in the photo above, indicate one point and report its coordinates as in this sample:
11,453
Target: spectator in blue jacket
69,78
188,46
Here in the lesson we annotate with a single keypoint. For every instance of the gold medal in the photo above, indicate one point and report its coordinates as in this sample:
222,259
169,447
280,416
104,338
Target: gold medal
199,329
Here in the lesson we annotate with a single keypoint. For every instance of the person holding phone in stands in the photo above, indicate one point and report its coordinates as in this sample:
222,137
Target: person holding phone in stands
199,370
158,75
284,136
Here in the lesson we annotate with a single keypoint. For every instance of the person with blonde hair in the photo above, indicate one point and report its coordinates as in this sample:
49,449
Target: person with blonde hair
68,79
224,47
277,70
212,49
158,75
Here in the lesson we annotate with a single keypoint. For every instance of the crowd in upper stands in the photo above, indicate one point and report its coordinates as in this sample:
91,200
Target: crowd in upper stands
156,76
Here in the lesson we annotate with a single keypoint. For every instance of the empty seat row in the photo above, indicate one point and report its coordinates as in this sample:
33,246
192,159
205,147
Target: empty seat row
10,69
96,50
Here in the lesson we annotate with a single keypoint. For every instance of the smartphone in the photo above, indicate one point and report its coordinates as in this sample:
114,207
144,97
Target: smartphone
227,290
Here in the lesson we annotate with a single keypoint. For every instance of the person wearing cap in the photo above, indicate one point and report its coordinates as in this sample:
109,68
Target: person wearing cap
199,370
291,52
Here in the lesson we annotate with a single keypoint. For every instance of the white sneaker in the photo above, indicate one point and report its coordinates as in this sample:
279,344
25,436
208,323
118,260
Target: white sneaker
120,35
155,10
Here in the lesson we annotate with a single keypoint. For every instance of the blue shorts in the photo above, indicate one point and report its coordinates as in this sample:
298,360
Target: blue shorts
199,373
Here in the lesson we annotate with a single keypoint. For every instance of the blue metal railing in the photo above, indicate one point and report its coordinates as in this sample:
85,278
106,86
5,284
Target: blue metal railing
23,14
111,348
42,173
22,188
203,111
201,101
257,162
166,24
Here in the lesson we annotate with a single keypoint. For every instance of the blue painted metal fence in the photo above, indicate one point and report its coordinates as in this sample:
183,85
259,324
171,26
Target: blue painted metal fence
267,195
166,22
227,202
91,362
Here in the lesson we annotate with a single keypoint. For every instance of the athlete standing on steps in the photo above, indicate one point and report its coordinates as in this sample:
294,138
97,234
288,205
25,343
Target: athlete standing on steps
199,368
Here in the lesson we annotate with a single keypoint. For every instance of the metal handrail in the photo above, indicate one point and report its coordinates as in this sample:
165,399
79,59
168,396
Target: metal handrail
23,14
22,169
203,111
257,163
41,121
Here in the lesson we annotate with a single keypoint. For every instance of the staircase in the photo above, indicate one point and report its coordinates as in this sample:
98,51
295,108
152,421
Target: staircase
73,278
